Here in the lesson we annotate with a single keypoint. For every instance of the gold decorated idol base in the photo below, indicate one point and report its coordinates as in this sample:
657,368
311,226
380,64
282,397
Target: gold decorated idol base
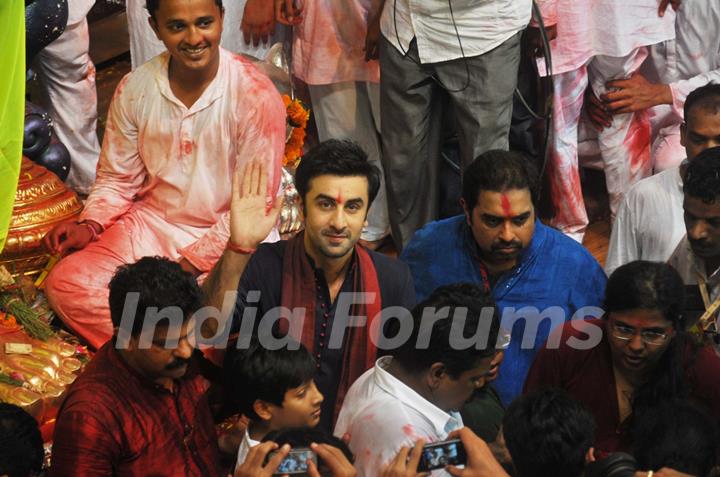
41,201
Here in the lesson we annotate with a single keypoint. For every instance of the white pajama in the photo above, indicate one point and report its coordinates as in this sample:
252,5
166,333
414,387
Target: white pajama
68,84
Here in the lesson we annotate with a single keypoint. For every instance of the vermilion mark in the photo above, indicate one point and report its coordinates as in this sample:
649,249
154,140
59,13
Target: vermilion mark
507,208
339,199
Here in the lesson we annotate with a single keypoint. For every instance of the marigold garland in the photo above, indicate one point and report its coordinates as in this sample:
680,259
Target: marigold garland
297,117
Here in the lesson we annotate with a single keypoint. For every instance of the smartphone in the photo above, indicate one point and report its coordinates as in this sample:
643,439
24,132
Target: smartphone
296,462
437,455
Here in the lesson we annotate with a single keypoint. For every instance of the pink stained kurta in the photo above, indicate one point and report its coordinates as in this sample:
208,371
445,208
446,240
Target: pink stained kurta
597,41
588,28
329,44
164,180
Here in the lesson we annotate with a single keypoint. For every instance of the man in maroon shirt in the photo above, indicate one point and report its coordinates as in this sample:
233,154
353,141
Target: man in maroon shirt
140,408
634,358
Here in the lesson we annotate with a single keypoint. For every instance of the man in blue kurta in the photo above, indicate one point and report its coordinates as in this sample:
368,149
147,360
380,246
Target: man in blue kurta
539,277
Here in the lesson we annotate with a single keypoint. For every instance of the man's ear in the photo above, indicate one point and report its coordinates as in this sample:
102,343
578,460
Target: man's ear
468,213
436,374
300,206
262,409
153,24
683,132
590,455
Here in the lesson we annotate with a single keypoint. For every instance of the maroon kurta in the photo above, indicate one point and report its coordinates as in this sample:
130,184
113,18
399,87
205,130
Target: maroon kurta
116,422
587,375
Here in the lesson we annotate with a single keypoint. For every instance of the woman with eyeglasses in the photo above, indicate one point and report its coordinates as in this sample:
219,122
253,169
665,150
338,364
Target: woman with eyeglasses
634,357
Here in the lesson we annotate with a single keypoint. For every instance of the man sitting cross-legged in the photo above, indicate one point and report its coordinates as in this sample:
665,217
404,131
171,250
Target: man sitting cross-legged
177,128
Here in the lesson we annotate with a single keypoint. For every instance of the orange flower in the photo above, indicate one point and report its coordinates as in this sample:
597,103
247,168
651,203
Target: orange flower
297,117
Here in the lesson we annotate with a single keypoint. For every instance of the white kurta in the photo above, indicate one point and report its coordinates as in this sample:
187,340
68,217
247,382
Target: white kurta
144,45
329,44
588,28
689,61
649,222
246,444
481,26
382,414
68,86
164,179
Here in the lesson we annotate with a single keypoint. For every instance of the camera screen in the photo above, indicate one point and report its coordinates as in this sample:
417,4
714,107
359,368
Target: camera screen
295,462
441,454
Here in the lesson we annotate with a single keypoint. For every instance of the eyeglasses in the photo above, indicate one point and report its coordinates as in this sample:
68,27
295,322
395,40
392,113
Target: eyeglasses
649,337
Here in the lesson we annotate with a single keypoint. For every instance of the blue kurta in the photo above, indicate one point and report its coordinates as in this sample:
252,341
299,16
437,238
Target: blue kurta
554,271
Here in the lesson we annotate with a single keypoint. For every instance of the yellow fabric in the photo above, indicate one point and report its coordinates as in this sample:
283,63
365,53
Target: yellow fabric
12,105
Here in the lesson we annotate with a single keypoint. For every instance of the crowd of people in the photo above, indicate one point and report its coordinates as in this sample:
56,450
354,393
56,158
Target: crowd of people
491,327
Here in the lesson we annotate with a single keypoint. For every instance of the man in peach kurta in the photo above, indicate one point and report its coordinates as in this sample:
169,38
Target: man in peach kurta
164,177
328,54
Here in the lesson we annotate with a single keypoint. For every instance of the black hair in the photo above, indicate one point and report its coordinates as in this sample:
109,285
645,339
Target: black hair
678,435
702,177
304,436
707,97
548,433
21,445
462,299
260,373
336,157
498,171
160,283
153,5
642,285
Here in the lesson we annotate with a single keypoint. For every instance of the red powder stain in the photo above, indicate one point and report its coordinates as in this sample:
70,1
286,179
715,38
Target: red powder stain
638,142
187,147
507,208
409,431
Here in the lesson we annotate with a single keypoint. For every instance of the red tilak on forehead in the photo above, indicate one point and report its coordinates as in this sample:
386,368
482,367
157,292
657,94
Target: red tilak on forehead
507,208
339,198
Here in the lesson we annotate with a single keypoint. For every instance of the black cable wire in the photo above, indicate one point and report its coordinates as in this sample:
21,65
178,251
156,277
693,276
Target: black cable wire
433,76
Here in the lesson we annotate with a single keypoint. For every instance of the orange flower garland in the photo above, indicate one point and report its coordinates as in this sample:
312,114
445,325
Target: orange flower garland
297,117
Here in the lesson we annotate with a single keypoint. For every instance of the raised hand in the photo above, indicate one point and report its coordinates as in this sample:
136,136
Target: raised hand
250,219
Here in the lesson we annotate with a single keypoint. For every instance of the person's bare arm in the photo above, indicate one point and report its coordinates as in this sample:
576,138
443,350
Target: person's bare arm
250,222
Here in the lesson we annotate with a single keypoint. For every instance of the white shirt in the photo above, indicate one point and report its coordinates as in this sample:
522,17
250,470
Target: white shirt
381,414
481,24
246,444
649,222
690,267
586,28
693,58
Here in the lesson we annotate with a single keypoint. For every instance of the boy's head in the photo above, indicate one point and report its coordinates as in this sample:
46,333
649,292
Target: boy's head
190,30
548,433
275,386
21,445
